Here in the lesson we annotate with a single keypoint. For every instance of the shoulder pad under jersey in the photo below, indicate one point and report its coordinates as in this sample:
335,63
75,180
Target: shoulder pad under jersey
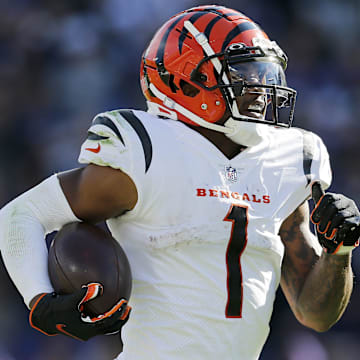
117,139
316,162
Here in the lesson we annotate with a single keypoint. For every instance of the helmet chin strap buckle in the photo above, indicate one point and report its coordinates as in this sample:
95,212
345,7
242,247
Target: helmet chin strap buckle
159,110
169,102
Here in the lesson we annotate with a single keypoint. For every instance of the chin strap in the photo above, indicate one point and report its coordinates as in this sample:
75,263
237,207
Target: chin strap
241,132
171,104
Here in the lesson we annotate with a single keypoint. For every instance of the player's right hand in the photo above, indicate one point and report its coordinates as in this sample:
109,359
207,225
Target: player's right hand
54,314
337,221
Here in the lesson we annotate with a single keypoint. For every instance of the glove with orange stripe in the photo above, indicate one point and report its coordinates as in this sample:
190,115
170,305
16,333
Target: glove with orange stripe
54,314
337,221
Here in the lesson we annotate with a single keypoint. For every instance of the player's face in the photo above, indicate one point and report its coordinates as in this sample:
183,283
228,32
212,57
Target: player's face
252,103
253,100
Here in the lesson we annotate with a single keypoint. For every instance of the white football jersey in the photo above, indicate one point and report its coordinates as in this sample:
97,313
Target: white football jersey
203,239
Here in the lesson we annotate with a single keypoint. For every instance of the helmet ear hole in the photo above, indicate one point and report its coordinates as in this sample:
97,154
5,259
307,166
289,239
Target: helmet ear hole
188,89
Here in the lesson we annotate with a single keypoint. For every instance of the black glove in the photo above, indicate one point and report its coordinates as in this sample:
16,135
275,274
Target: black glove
54,314
337,221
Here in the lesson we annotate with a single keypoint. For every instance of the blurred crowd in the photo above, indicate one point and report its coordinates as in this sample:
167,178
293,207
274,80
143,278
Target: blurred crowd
62,62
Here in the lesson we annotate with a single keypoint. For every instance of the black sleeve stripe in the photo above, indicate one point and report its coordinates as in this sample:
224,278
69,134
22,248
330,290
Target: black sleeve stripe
102,120
93,136
140,130
308,154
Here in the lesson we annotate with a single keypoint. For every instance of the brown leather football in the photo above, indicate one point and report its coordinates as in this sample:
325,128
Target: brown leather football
82,253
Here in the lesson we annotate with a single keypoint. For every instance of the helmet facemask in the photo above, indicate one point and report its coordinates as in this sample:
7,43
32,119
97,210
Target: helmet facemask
251,70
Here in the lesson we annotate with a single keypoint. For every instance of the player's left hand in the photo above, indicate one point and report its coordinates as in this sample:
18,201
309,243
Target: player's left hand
337,221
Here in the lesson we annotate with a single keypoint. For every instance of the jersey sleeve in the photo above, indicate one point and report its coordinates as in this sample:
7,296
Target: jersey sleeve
105,145
316,157
118,139
310,158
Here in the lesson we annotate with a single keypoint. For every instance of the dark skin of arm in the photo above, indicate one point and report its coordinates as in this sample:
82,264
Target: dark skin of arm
317,287
96,193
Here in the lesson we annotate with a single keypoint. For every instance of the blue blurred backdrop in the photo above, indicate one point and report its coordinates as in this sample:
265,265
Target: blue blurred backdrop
61,62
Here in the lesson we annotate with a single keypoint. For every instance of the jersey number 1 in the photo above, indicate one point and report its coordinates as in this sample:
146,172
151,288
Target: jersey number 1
237,243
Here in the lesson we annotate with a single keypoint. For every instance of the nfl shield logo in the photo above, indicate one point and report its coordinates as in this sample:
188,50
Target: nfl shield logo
230,173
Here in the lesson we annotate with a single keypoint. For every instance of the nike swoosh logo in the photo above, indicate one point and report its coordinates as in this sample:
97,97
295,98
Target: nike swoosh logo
61,328
94,150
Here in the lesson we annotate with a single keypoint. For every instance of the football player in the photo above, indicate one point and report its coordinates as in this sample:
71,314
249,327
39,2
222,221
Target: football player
207,192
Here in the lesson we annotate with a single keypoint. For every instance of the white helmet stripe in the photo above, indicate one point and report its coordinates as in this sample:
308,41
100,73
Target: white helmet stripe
203,41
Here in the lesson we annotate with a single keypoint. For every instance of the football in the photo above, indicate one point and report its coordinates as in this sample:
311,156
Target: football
81,253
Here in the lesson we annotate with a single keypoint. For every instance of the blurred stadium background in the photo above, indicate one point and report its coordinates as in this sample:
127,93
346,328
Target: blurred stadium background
61,62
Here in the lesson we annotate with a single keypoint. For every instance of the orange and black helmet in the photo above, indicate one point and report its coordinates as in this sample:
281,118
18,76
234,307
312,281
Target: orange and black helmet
186,71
